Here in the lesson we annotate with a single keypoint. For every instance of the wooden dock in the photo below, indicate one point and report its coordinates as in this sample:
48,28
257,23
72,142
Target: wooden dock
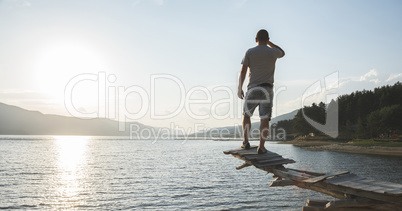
354,192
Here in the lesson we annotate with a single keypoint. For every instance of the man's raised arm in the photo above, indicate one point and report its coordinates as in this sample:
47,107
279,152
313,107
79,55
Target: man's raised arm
275,46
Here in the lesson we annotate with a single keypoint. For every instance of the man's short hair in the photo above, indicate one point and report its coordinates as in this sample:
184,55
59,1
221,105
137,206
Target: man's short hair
262,35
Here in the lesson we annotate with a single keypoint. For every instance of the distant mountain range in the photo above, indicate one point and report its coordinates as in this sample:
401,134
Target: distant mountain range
18,121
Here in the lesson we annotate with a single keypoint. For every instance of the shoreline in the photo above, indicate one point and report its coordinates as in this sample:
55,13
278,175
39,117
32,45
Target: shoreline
345,147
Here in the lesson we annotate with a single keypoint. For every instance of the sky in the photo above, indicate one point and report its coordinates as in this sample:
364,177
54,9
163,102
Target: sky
175,63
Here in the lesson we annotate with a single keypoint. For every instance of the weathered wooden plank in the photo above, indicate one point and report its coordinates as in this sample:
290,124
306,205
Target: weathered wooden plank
351,209
304,175
316,202
361,193
312,208
319,178
344,205
256,155
389,184
273,163
250,153
343,178
358,185
239,157
367,185
289,174
247,153
241,150
319,187
394,192
350,203
341,205
227,152
376,187
269,160
244,165
307,172
386,186
285,182
263,156
365,204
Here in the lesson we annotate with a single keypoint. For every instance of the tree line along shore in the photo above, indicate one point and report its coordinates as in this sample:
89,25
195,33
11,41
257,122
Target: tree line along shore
369,121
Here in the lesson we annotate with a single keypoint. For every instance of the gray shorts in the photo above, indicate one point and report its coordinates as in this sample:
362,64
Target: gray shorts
262,97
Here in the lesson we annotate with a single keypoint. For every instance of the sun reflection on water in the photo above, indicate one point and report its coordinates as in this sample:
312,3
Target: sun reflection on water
71,161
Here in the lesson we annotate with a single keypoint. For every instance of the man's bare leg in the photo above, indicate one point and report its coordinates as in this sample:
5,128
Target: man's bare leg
246,128
264,129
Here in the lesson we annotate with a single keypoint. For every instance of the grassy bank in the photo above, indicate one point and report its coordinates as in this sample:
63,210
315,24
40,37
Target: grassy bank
376,142
365,146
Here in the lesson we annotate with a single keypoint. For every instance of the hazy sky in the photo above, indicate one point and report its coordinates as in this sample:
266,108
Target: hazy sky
152,59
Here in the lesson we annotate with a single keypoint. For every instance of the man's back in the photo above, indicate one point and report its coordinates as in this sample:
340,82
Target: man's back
261,61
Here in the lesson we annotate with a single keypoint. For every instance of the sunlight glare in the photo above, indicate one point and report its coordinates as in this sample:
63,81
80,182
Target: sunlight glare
58,63
71,163
71,150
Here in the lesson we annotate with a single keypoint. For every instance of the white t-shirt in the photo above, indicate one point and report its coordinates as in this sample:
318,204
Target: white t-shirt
261,61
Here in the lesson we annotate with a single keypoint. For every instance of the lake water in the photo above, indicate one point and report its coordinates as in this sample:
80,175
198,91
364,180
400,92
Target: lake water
110,173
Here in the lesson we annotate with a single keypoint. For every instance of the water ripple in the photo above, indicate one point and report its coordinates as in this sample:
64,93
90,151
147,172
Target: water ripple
118,174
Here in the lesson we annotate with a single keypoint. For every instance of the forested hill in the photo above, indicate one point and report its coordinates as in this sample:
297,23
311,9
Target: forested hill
362,114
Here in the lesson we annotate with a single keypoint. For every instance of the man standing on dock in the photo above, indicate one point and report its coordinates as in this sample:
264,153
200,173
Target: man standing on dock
261,62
